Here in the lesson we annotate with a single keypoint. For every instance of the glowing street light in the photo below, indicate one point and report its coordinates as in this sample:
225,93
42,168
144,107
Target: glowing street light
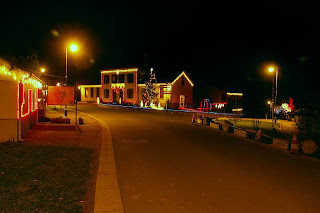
73,48
43,70
274,106
271,69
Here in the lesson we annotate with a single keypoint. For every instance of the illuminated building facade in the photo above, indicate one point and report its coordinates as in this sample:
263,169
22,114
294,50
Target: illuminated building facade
19,91
120,86
177,94
90,93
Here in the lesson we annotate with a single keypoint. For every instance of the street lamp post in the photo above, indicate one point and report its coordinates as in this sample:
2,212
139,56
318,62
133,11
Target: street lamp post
73,48
270,107
274,105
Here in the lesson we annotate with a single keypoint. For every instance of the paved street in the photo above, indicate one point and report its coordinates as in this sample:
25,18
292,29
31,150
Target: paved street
171,165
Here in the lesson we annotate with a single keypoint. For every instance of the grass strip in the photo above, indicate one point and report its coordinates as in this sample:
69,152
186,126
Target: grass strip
37,178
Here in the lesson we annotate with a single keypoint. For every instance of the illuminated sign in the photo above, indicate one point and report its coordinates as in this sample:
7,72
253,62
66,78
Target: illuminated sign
60,95
219,105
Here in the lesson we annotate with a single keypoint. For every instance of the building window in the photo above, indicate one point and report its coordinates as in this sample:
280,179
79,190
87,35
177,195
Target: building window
106,93
130,78
106,79
130,93
121,78
86,92
182,80
161,91
114,79
91,92
98,92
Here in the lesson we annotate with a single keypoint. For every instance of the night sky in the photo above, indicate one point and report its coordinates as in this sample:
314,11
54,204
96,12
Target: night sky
219,45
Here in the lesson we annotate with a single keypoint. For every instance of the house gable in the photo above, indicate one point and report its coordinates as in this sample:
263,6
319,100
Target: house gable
182,86
183,74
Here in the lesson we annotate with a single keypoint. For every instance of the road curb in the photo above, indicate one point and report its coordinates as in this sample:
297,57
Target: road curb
107,194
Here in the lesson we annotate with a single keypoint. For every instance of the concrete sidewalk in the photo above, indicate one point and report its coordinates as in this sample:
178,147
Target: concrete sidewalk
103,193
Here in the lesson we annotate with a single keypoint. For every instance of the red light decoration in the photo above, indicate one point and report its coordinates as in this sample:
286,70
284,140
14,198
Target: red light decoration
205,105
31,104
291,106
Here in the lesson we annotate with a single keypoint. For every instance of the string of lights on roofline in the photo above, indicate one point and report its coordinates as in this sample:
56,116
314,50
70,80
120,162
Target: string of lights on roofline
20,76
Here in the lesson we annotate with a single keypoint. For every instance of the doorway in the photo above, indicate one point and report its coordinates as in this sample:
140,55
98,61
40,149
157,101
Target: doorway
117,94
182,101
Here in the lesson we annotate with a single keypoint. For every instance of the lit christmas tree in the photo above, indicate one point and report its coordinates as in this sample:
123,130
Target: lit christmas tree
149,94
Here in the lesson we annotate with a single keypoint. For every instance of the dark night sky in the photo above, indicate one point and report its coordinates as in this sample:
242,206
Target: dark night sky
220,45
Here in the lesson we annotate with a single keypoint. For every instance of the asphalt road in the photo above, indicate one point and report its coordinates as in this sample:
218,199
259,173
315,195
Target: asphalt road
171,165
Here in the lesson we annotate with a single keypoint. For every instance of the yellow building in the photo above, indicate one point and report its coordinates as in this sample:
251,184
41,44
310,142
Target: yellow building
90,93
120,86
19,101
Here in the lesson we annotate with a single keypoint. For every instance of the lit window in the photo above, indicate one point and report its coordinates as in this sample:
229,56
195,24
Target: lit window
161,92
130,93
98,92
130,78
114,79
106,93
121,78
106,79
86,92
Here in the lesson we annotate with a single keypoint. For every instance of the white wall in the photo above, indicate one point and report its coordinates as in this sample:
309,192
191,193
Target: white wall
8,110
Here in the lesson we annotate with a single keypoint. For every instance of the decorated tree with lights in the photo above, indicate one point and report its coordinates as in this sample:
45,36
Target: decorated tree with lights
149,94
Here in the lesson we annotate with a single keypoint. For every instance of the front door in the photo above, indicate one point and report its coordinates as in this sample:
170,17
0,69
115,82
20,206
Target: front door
114,96
117,96
182,100
121,97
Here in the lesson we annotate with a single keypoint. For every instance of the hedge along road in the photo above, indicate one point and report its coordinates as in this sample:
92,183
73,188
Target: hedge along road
172,165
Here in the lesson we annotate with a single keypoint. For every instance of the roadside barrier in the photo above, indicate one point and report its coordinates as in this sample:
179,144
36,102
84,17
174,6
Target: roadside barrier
193,118
280,143
226,126
309,146
295,144
240,132
214,125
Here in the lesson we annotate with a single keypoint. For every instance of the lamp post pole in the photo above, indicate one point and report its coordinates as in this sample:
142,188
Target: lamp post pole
274,94
76,100
66,65
275,98
65,106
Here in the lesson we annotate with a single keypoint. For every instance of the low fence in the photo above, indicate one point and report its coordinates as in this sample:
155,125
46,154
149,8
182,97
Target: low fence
280,143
